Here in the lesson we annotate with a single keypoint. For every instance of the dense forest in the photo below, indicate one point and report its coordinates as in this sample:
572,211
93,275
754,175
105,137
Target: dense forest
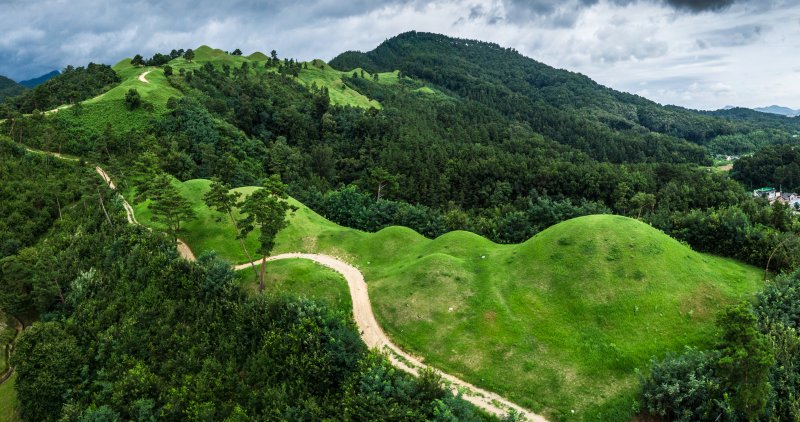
9,88
774,166
74,84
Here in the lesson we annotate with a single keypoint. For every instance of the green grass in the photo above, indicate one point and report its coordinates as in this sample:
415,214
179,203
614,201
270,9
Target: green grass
9,406
321,74
303,278
557,323
317,73
109,108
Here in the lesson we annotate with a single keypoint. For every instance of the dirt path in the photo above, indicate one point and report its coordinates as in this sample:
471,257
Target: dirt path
375,338
10,349
144,75
371,332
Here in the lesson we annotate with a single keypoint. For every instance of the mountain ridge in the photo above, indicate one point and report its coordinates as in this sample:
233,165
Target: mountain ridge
34,82
776,109
539,94
10,88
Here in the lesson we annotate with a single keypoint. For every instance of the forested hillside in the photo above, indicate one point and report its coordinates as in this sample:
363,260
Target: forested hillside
436,156
773,166
9,88
75,84
565,106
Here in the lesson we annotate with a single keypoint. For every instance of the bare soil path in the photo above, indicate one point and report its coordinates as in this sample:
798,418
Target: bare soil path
375,338
143,76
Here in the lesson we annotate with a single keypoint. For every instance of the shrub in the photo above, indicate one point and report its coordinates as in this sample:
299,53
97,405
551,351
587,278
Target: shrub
683,387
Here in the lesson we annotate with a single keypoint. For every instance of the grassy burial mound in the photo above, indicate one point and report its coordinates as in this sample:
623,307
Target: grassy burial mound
304,278
558,323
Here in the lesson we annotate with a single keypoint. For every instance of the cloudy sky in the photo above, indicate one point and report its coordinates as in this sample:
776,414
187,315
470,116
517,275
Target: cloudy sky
696,53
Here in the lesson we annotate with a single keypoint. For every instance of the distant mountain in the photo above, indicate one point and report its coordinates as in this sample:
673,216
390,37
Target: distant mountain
775,109
9,88
32,83
757,119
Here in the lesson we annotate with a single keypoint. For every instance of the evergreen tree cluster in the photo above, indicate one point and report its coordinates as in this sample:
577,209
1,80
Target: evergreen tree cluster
752,374
73,85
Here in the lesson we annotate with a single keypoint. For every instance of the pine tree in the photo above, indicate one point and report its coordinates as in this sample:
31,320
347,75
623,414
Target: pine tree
266,210
745,361
223,200
168,206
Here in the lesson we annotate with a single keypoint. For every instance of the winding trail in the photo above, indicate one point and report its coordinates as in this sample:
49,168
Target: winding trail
375,338
18,328
144,75
371,332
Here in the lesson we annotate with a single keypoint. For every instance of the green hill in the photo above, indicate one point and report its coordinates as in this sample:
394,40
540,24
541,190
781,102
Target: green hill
315,72
566,106
258,56
109,108
558,323
9,88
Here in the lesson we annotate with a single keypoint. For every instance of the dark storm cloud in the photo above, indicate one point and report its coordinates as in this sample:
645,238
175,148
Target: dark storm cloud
700,5
565,12
732,37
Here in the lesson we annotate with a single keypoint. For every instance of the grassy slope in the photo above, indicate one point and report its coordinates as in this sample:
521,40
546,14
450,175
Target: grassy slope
557,323
318,73
303,278
9,406
109,108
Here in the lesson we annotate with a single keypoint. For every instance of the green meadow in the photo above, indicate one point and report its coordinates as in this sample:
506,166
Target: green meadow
303,278
559,323
9,406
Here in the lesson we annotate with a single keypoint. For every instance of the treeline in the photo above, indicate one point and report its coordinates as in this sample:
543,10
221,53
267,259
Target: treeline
757,119
73,85
351,207
752,374
772,166
753,231
747,143
160,59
